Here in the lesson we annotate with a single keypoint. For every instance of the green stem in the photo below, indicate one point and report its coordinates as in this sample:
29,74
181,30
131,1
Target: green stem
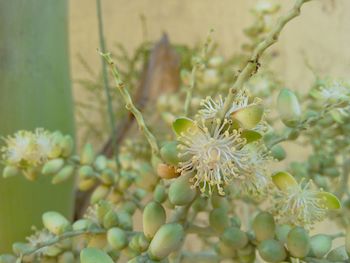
252,64
131,106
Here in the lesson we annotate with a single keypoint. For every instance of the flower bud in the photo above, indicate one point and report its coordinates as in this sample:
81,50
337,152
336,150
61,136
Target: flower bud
320,245
87,155
52,166
67,146
147,178
218,201
117,238
338,255
99,193
298,242
166,171
180,191
278,152
167,239
159,194
55,222
81,224
134,244
110,219
94,255
264,226
225,251
143,242
169,153
153,218
218,219
86,184
66,257
125,220
288,108
107,176
272,251
200,204
10,171
100,163
7,258
86,172
282,232
234,237
64,174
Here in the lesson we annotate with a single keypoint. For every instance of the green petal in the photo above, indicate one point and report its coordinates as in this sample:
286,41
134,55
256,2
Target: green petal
284,180
249,116
251,135
182,125
330,200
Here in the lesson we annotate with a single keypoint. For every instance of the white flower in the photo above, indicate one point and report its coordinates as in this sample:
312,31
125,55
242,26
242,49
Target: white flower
20,149
214,155
40,237
44,143
299,205
335,91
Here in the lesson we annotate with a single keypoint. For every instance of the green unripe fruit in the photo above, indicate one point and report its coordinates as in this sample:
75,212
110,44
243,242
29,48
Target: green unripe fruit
159,194
53,166
181,192
110,219
67,145
153,218
338,255
298,242
94,255
117,238
169,153
167,239
278,152
87,155
55,222
235,238
264,226
282,232
66,257
320,245
7,258
99,193
272,251
64,174
288,108
219,220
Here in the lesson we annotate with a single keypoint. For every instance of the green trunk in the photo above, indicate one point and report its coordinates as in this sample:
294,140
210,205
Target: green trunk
35,92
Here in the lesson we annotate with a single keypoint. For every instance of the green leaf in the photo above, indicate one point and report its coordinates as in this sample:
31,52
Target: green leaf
94,255
182,124
250,135
249,116
284,180
330,200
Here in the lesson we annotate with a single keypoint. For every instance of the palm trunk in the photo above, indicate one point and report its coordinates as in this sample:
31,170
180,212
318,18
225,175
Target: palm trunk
35,91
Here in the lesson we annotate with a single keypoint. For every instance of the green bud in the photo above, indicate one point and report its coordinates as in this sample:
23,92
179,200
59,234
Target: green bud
234,237
129,207
7,258
167,239
282,232
124,182
225,250
66,257
219,220
10,171
53,166
55,222
110,219
99,193
219,201
153,218
87,155
264,226
53,251
292,134
298,242
134,244
180,191
86,184
81,224
107,176
159,194
143,242
338,255
125,220
117,238
86,172
288,108
320,245
236,221
102,208
64,174
169,153
147,178
100,163
200,203
278,152
67,146
272,251
94,255
21,248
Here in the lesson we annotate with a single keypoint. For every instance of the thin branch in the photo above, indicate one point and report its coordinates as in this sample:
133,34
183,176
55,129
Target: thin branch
252,64
130,105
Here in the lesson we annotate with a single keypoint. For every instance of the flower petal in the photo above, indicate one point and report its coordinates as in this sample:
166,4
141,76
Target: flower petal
249,116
